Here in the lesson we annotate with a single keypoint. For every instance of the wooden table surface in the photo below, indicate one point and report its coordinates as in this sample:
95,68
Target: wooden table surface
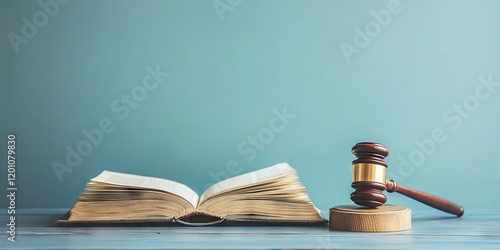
479,229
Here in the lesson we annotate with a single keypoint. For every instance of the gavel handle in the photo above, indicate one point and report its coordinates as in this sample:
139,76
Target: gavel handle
428,199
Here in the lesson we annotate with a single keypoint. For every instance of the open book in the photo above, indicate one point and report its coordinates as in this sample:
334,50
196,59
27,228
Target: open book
272,194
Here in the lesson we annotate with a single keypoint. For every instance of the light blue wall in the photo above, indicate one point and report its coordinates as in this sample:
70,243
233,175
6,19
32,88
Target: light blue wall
228,77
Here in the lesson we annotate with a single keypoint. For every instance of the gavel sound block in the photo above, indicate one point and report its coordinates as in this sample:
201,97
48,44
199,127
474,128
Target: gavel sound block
369,181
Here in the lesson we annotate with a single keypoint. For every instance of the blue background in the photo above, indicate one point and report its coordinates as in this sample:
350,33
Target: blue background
228,72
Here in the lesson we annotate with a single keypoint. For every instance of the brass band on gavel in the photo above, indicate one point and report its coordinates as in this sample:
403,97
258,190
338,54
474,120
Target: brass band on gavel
369,172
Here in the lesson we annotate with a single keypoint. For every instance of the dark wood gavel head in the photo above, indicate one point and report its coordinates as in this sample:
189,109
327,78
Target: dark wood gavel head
369,174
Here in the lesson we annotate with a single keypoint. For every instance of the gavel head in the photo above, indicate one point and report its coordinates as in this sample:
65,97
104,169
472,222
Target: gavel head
369,174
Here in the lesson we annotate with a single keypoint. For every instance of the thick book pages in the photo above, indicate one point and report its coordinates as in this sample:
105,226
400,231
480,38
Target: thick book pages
270,195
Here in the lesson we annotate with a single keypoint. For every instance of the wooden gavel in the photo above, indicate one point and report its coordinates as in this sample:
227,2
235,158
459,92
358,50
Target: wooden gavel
369,180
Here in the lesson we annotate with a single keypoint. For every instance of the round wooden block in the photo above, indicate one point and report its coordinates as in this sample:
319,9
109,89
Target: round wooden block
386,218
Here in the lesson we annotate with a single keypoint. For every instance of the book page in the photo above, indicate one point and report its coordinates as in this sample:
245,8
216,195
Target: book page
268,173
132,180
